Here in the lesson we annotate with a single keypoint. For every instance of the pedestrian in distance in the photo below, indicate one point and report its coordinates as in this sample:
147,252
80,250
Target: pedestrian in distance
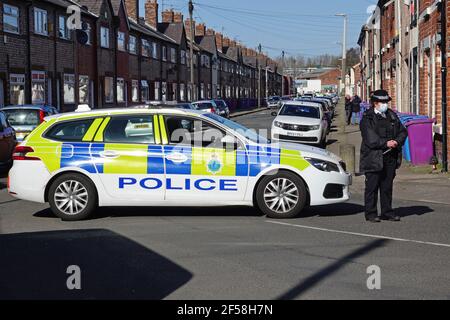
383,137
356,109
348,108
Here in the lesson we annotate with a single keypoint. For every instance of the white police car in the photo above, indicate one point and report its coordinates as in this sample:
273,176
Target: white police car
168,157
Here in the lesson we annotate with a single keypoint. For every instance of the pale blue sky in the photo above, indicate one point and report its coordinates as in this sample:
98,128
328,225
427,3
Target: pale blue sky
306,27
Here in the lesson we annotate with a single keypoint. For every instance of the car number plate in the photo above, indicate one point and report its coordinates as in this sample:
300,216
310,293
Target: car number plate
294,134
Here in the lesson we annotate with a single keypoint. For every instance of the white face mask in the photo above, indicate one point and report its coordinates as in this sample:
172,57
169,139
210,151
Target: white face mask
383,107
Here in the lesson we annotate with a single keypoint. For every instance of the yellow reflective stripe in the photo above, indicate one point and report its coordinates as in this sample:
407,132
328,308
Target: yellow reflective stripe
294,159
99,134
131,159
163,130
156,129
92,129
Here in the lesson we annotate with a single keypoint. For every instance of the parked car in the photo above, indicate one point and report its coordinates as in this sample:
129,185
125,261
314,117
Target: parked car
135,159
207,106
7,142
224,111
185,105
326,109
25,118
274,102
300,121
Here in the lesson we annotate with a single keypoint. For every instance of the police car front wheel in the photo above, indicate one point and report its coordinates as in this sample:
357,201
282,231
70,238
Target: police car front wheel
281,196
72,197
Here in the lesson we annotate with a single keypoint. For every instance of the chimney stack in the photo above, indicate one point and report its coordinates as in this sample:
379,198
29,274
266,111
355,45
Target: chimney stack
219,41
210,32
226,42
132,9
187,26
178,17
200,30
232,44
151,13
168,16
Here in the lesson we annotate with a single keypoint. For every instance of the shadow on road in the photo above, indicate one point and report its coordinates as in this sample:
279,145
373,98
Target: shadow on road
322,274
114,212
412,211
33,266
335,210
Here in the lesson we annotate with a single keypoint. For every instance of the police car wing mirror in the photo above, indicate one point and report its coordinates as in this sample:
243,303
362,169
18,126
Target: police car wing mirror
274,114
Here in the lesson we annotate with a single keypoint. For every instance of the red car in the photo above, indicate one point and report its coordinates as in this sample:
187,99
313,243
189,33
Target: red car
7,142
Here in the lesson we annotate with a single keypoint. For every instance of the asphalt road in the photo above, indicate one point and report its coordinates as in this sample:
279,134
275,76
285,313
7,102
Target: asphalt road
224,253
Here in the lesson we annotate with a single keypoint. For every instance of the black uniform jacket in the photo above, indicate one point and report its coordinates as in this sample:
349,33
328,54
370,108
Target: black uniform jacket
374,140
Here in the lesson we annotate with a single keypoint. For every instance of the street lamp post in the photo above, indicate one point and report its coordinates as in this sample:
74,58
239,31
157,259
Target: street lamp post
344,50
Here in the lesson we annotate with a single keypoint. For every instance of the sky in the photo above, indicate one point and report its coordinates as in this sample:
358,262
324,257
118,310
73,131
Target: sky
305,27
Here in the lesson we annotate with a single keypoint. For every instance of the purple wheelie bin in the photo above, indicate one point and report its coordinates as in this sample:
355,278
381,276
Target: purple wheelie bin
420,135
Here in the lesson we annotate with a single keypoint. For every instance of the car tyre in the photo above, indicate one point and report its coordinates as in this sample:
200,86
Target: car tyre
266,199
72,197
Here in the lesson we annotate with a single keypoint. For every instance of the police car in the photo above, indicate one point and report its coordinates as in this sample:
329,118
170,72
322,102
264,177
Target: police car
168,157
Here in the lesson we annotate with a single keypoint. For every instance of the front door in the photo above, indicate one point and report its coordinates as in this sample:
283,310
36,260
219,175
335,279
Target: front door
203,163
129,158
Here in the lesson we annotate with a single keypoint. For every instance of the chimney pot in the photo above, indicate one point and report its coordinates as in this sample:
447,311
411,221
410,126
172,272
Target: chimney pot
178,17
151,13
200,30
168,16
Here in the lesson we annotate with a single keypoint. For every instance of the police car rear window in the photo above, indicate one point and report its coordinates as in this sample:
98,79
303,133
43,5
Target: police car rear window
69,131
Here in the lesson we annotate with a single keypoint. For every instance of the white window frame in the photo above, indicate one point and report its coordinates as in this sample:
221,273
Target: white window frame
121,43
132,44
65,34
182,92
88,31
164,53
69,83
144,89
157,86
107,99
173,55
145,48
104,37
183,57
83,80
154,52
134,90
40,22
17,80
120,89
14,13
38,77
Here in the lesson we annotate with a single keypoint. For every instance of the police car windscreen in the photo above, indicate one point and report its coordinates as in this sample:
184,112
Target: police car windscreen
300,111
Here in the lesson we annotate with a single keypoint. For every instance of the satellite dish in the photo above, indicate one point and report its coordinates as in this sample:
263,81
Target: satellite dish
82,36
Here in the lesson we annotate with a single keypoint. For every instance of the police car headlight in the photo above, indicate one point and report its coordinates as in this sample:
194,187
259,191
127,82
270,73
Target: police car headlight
278,124
314,127
323,165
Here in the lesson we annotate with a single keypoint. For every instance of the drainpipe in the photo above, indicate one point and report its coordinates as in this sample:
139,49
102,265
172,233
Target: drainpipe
444,85
28,78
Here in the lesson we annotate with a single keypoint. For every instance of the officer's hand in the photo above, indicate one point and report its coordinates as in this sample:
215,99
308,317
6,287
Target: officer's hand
392,144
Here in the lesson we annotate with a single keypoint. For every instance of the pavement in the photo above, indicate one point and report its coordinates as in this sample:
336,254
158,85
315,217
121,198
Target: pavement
230,253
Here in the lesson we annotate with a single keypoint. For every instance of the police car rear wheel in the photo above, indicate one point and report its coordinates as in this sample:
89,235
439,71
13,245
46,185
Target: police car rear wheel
281,196
72,197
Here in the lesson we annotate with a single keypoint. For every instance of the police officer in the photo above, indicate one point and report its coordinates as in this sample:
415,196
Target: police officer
383,136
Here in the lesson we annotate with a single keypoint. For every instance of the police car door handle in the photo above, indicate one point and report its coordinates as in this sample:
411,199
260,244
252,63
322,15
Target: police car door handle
110,154
177,157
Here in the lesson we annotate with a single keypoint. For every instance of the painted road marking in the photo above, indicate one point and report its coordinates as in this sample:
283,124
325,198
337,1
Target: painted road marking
361,234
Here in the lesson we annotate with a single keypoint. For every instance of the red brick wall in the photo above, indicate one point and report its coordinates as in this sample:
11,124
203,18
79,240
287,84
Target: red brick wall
331,77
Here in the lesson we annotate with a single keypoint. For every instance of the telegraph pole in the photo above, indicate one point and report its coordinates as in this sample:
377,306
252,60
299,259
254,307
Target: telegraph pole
444,85
267,84
344,49
191,49
282,73
259,77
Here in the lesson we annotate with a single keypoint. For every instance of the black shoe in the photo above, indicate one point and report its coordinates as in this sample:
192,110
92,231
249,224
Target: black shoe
393,218
374,219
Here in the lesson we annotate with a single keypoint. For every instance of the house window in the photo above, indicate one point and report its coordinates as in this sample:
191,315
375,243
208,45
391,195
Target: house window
164,53
120,90
145,48
87,29
209,91
144,90
164,91
121,41
157,97
63,31
17,89
174,96
10,19
182,92
109,91
173,55
202,91
37,87
155,50
132,44
134,90
83,89
104,37
69,88
40,21
183,56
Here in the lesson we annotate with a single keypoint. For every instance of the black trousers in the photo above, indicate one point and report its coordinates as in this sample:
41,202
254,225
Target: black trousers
382,182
